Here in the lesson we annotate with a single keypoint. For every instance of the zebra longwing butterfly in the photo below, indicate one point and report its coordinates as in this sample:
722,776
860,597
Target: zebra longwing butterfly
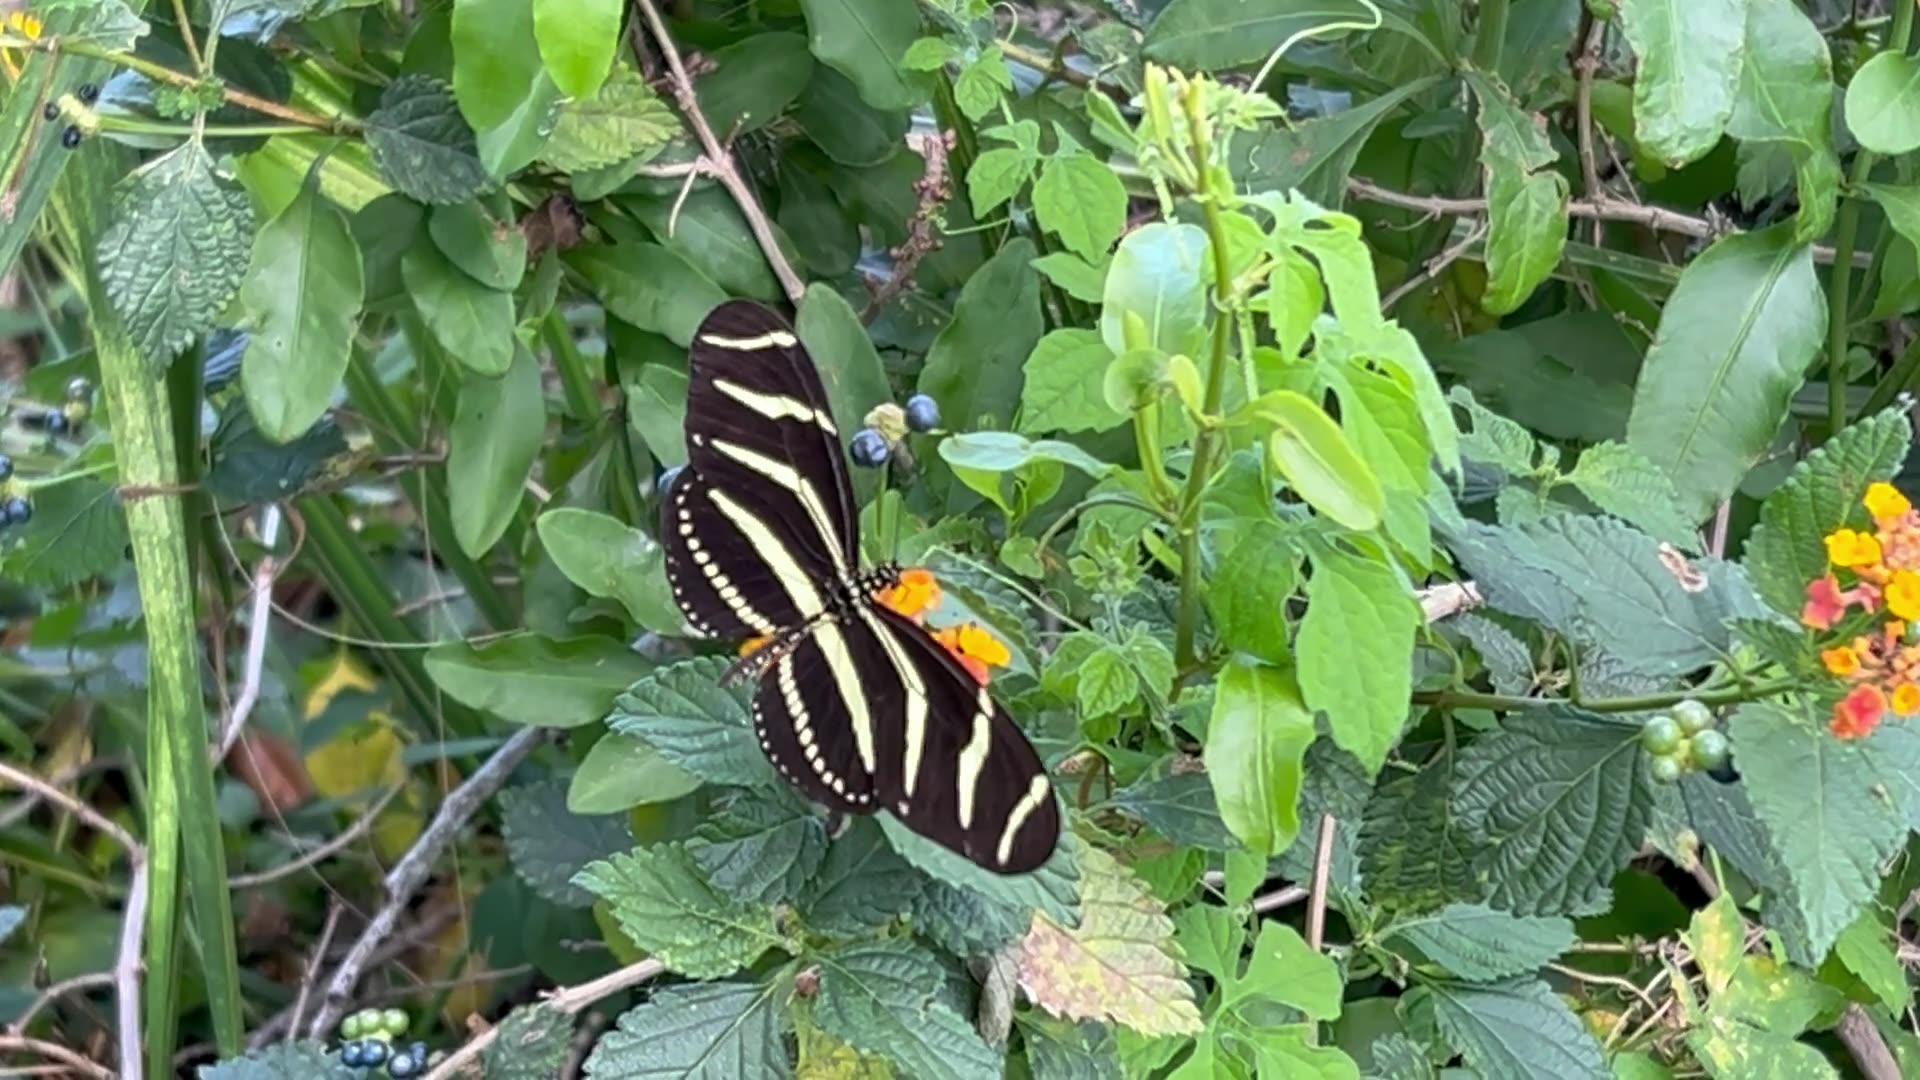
858,706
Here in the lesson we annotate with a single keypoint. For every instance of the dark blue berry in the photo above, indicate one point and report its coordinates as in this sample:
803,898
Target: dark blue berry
869,448
373,1053
663,484
352,1055
404,1065
6,468
16,511
923,413
51,112
89,93
70,138
57,423
419,1051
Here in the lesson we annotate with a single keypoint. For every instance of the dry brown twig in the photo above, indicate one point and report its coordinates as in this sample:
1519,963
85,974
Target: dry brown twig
351,833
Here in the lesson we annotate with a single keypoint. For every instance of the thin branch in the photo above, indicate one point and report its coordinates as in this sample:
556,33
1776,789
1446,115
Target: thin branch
347,836
1322,871
312,974
412,870
1434,266
1279,898
54,1051
718,159
1587,66
233,95
1868,1049
91,981
93,818
569,1000
1616,981
260,620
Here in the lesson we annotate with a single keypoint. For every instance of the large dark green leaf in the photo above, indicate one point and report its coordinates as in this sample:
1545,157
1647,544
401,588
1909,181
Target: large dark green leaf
302,294
753,81
849,130
471,322
1211,35
1480,944
1689,55
861,884
760,846
880,998
528,679
549,843
666,907
1315,156
699,1031
422,145
1510,1031
696,723
712,236
865,40
649,286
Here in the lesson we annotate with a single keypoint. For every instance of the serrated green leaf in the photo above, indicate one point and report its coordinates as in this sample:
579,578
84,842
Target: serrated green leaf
761,847
1786,549
302,295
866,40
1107,683
1080,198
1733,345
998,175
704,1031
1057,1050
498,426
1690,53
175,252
1555,806
526,678
881,998
624,121
622,772
613,560
577,41
78,531
1479,944
699,725
532,1043
1063,386
965,922
422,145
1867,949
302,1060
1249,592
666,907
1526,199
1119,965
471,322
1179,806
1512,1031
549,844
1415,854
982,82
1508,662
861,883
1826,808
1621,481
1353,647
1054,888
1729,1048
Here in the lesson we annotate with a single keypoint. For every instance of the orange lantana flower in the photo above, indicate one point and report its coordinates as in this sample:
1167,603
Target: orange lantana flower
1842,661
975,648
1859,712
1885,502
916,593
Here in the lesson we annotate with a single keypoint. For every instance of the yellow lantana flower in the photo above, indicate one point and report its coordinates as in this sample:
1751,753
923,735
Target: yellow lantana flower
1845,547
1906,699
1903,594
1841,661
1884,502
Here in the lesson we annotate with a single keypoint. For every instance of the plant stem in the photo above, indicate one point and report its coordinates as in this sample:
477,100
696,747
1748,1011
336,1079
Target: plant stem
1845,236
1490,35
162,73
583,398
1207,442
1732,695
1146,443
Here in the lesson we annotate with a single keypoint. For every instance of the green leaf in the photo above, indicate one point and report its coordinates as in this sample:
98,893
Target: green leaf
1320,465
845,127
713,237
664,906
78,531
1079,198
1005,452
982,82
577,41
1785,549
964,922
762,848
1282,967
534,1042
754,80
1256,738
1212,35
657,410
302,1060
624,121
249,468
1603,583
1555,807
695,723
1621,481
1249,592
861,884
998,175
1179,806
422,145
1057,1050
1825,806
1158,275
1081,279
624,771
1733,346
175,252
1526,199
1053,889
1107,683
1479,944
302,296
515,142
866,40
1883,103
974,367
549,843
1353,648
496,58
648,286
698,1031
1690,53
1415,853
1866,948
1785,101
525,678
1316,157
498,426
1120,965
471,322
880,998
1730,1048
493,253
1511,1031
1062,390
612,560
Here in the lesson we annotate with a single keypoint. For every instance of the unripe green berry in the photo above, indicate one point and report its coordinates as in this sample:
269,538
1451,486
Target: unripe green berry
1709,750
350,1029
394,1022
1661,735
1665,769
1693,716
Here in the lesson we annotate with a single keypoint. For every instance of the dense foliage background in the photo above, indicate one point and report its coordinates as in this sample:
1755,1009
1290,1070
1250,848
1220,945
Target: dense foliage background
1435,466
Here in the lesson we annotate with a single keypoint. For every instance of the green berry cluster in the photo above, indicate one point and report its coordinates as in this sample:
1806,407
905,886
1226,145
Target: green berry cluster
1686,741
367,1042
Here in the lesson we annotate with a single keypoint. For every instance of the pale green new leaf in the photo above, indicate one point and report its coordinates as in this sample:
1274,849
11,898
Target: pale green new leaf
1158,275
548,843
1526,199
1733,346
1353,647
998,175
622,772
695,723
698,1031
302,295
1866,948
496,59
1258,734
1479,944
1883,103
498,427
664,905
1119,965
1689,54
175,252
1080,198
577,41
611,559
622,121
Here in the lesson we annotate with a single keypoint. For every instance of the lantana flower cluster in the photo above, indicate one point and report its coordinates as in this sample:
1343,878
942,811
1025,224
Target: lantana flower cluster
918,592
1879,573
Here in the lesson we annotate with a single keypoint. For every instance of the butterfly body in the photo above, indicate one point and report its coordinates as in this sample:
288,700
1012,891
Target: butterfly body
858,705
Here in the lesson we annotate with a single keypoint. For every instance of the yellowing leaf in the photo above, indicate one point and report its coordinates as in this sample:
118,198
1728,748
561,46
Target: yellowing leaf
365,760
1121,965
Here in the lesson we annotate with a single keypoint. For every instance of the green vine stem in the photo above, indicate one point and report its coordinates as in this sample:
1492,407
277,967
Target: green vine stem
1845,236
1731,695
340,125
